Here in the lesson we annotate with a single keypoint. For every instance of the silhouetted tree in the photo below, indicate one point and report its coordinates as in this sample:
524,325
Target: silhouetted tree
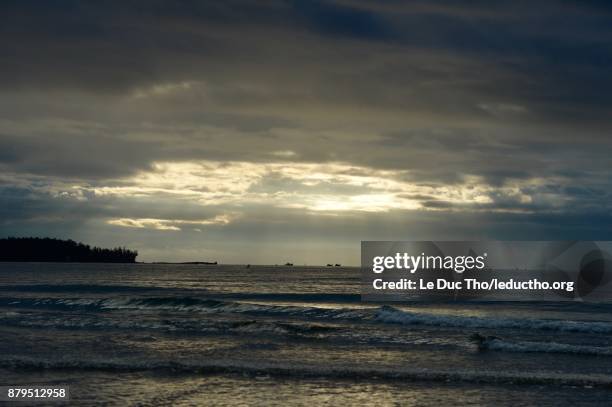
47,249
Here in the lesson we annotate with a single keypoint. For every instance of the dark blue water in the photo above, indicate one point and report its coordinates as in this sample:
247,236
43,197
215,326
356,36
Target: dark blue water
196,335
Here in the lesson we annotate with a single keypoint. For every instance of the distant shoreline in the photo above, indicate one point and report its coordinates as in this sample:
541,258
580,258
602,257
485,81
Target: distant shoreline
51,250
207,263
37,249
186,263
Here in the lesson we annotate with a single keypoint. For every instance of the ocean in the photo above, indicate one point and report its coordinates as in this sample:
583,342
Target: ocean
168,334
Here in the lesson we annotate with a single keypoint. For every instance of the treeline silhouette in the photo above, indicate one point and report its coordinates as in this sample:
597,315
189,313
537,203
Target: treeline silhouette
47,249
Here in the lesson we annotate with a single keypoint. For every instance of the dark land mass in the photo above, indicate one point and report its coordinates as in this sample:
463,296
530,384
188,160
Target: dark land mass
213,263
37,249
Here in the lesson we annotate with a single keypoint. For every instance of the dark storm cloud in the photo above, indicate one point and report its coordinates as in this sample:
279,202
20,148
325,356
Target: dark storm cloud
337,20
114,48
491,114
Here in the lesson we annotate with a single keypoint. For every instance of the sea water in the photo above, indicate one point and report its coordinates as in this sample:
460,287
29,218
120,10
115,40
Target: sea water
146,334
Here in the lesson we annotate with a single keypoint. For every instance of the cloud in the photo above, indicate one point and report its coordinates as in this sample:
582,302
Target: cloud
168,224
304,119
159,224
184,191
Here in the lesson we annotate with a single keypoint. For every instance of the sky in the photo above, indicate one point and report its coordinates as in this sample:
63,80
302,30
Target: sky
268,132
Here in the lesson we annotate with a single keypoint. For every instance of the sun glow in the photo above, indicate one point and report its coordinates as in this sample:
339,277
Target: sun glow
226,191
308,186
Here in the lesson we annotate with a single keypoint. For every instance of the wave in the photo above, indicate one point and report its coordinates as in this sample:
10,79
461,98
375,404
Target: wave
384,314
126,289
298,297
544,347
79,288
280,369
190,326
302,330
392,315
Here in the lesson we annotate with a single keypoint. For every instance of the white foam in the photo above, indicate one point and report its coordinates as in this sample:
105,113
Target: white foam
392,315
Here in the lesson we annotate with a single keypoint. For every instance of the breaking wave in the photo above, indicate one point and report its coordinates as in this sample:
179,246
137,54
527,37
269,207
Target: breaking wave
384,314
392,315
